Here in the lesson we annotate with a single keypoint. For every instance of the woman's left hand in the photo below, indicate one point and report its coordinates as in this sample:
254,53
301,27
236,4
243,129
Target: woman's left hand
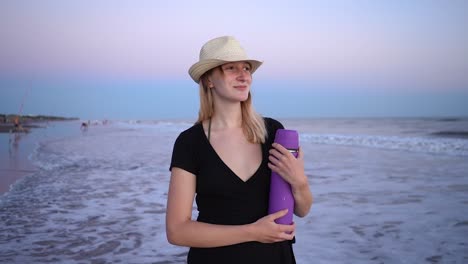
285,164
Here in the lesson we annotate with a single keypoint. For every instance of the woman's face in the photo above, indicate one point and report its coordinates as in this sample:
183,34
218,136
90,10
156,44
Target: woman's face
231,81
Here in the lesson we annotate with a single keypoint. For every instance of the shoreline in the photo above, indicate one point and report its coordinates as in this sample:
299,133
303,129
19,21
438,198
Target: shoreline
10,123
11,128
17,146
15,164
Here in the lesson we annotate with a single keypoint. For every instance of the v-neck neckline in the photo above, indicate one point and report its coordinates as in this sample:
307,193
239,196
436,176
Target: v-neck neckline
224,163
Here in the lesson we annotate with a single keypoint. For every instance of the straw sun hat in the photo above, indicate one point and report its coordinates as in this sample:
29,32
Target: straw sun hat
217,52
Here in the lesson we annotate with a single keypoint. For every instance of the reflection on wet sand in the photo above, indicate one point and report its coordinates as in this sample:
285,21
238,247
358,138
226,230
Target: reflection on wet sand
14,164
14,139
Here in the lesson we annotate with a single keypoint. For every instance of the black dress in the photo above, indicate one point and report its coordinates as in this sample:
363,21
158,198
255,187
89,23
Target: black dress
223,198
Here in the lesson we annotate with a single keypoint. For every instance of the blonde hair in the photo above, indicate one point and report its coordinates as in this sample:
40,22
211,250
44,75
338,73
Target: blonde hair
253,124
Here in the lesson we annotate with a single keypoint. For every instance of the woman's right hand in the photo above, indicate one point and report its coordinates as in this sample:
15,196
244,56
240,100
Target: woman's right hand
267,231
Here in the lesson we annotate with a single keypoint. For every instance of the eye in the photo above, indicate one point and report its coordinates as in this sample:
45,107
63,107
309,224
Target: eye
228,68
247,68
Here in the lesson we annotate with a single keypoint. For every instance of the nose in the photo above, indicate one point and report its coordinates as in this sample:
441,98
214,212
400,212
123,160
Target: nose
242,75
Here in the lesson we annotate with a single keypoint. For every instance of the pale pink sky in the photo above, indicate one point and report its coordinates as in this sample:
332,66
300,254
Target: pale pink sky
419,42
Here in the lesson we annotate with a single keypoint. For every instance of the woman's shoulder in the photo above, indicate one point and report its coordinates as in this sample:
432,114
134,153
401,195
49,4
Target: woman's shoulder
190,133
272,124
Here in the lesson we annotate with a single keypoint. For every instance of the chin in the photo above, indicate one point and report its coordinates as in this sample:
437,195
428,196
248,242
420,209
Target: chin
244,98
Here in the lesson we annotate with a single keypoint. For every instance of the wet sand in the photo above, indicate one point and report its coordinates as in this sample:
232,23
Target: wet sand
10,128
15,148
14,162
10,176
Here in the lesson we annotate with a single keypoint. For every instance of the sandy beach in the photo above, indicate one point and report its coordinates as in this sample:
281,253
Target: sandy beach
11,175
17,142
14,162
16,148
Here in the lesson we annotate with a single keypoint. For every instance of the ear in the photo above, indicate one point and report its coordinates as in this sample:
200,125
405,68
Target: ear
209,82
206,81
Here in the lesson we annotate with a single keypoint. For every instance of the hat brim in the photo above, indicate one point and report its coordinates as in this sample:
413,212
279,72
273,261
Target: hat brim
199,68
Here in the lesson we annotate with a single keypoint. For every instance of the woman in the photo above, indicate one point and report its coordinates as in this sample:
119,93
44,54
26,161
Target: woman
226,160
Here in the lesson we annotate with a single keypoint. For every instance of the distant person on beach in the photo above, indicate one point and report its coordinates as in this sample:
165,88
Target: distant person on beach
16,122
84,126
17,125
225,159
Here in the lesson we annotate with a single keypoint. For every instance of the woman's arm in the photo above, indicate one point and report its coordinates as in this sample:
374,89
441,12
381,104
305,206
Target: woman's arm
183,231
292,171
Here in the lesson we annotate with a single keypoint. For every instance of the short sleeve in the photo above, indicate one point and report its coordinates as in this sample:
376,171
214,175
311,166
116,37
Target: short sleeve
272,125
183,153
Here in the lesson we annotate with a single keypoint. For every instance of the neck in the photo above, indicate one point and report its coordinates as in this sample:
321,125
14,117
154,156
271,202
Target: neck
227,116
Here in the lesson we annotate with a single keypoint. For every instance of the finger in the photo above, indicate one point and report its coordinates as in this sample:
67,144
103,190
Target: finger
293,234
274,160
277,145
279,214
301,154
273,167
276,169
287,228
275,153
288,231
284,153
280,148
282,158
287,235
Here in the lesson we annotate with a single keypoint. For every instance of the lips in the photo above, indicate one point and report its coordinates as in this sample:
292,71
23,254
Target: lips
240,87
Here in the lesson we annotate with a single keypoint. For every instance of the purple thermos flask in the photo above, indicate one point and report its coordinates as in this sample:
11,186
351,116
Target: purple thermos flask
280,191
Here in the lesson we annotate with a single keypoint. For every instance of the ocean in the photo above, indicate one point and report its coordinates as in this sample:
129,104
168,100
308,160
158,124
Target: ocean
386,190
